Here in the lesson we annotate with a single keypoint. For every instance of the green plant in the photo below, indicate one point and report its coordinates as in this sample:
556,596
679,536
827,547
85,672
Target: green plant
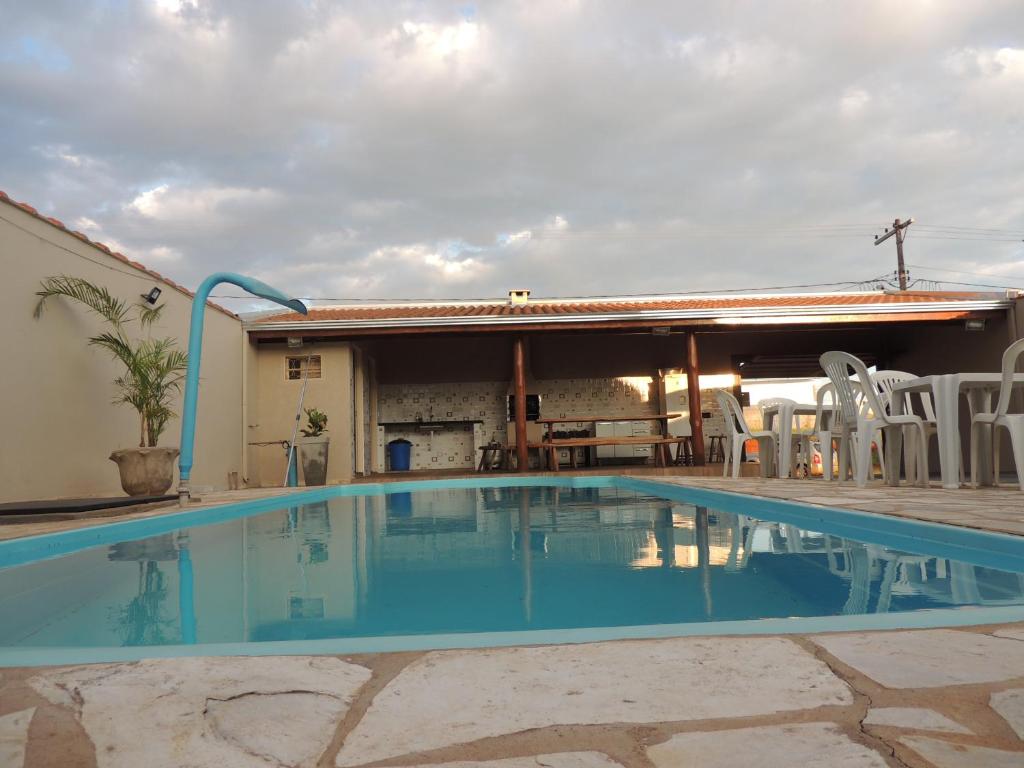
154,368
317,423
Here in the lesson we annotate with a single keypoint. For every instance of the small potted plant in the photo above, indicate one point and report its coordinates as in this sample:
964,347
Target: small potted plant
313,447
153,370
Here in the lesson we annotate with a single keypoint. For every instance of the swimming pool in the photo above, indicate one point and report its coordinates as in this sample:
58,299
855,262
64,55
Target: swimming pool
485,562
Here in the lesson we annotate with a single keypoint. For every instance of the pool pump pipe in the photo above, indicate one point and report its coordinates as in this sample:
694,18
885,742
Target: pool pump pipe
195,351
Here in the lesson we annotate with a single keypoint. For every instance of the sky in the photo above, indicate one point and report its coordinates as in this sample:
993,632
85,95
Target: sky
374,150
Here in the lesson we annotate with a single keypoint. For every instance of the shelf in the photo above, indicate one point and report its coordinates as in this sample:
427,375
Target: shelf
429,424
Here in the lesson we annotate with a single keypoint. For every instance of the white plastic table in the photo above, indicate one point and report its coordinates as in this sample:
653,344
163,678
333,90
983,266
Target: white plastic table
786,412
945,390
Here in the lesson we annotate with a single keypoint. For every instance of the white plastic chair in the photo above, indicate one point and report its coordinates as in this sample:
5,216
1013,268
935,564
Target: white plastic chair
863,414
739,432
801,437
885,381
1012,422
828,431
825,422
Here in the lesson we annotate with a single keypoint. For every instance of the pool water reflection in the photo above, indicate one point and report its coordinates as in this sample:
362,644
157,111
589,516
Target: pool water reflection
469,560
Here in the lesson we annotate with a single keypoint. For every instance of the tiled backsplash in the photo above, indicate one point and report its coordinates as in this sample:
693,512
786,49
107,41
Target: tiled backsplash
566,398
456,446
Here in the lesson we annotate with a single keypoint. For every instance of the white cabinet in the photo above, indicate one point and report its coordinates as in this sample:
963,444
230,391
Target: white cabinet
638,429
605,429
622,429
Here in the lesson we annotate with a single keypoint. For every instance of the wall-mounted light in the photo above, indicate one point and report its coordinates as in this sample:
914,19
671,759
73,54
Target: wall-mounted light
661,330
152,296
294,342
974,325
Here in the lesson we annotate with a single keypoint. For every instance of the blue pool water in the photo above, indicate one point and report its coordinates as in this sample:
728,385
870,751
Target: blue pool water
561,560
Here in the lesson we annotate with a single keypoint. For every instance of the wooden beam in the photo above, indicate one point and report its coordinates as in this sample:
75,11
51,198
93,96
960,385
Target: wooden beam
519,397
693,397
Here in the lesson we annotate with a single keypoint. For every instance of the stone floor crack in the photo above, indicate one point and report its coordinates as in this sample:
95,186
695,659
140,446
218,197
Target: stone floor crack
384,668
861,697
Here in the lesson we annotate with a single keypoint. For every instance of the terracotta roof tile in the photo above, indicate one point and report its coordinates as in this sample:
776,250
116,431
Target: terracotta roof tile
4,197
540,308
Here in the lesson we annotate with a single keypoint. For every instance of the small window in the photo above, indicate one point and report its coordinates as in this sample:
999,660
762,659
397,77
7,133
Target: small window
295,367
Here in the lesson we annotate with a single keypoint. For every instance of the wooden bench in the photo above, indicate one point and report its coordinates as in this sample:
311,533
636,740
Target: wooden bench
655,441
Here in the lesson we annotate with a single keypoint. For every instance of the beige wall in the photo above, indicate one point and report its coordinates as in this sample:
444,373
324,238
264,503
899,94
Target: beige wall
272,409
56,416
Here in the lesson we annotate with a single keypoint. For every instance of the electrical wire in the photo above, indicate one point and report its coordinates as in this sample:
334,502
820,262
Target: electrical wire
962,272
111,267
977,285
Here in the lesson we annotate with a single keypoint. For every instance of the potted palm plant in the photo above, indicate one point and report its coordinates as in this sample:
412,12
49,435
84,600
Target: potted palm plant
153,371
313,447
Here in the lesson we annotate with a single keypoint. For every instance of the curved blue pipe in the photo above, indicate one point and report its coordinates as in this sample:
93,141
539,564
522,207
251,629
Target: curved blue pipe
195,351
186,596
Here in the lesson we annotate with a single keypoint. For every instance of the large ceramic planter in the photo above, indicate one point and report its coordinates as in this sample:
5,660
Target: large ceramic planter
313,455
145,471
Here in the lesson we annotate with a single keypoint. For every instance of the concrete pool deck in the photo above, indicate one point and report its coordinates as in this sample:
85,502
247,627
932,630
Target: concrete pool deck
940,697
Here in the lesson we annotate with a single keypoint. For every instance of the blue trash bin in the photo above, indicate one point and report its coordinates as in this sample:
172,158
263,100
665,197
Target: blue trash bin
400,455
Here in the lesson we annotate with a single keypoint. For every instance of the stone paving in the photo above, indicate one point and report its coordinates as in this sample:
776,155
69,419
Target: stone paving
994,509
864,699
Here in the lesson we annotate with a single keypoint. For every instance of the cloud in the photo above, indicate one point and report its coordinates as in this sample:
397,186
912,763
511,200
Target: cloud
999,63
199,205
439,149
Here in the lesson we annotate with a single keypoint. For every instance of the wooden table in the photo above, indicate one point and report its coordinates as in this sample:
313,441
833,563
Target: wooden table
660,458
662,418
945,390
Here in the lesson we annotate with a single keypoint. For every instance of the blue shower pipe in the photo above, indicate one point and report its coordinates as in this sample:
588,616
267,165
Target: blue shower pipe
195,351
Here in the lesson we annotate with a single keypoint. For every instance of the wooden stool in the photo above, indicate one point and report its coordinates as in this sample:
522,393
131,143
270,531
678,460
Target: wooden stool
716,449
684,452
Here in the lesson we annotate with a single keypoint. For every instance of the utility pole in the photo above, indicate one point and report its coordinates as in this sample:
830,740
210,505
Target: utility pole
897,229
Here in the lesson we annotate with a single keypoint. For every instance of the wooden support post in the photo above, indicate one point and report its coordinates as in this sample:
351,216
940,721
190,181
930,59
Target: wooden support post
693,397
663,454
519,396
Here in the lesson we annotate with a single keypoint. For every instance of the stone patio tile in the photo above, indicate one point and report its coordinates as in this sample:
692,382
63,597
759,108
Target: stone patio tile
913,717
946,754
1013,633
928,658
455,697
560,760
773,746
220,712
14,736
1010,706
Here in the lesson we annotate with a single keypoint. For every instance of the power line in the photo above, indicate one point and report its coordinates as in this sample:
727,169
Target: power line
977,285
111,267
962,272
972,239
971,229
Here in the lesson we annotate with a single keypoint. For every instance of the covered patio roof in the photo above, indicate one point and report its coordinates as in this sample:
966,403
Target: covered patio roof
753,335
632,312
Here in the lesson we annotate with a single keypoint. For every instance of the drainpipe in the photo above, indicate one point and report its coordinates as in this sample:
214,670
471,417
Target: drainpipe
195,351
